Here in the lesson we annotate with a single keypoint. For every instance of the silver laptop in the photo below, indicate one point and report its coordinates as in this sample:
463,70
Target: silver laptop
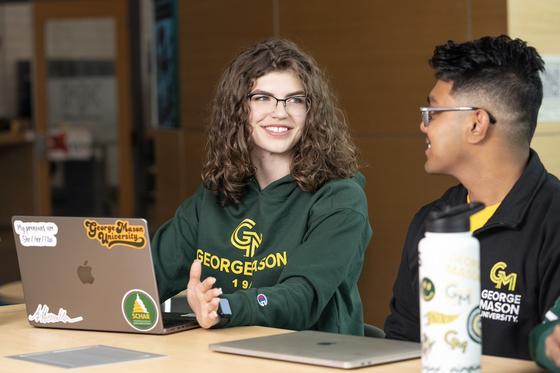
91,273
320,348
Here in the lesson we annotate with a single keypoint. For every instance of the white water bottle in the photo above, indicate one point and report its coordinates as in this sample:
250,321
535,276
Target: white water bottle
449,279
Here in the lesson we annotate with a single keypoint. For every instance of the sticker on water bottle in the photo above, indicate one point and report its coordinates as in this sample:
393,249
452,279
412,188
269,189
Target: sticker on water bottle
452,340
427,345
474,326
428,289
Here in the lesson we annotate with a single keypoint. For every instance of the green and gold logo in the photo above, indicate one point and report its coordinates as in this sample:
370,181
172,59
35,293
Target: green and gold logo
428,289
474,325
453,342
119,234
499,277
139,310
245,239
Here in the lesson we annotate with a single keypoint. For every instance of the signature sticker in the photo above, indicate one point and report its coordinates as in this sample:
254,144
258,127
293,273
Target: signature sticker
43,316
36,234
139,310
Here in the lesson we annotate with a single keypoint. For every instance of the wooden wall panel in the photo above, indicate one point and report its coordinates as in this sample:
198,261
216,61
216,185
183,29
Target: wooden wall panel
375,53
489,18
16,198
212,33
169,152
195,141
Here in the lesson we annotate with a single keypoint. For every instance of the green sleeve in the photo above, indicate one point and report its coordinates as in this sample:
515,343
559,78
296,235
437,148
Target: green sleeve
540,333
173,248
329,261
536,345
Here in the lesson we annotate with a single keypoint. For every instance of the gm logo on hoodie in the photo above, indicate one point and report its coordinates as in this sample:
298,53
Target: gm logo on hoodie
245,239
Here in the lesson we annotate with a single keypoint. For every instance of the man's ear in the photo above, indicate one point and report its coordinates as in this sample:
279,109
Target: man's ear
478,129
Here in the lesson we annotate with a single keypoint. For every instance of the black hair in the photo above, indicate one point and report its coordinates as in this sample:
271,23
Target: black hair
505,70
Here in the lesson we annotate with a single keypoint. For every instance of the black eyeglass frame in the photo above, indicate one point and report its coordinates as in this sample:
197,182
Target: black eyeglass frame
426,110
283,100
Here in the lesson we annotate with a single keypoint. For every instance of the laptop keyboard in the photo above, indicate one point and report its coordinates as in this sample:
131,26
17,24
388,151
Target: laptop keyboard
172,319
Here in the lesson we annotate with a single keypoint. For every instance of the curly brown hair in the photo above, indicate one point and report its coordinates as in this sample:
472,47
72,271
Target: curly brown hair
325,150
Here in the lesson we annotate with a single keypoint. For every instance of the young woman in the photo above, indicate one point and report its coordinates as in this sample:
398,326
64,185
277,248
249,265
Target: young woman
278,230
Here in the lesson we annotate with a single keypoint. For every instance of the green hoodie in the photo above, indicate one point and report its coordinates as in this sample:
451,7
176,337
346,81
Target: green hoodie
283,257
539,334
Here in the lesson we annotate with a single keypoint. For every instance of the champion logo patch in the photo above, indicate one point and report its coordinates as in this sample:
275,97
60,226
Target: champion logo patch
262,300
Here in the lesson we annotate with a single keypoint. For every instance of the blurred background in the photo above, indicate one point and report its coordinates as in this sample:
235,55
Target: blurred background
103,103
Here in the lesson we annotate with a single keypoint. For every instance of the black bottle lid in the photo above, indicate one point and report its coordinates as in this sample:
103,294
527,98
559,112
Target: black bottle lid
452,219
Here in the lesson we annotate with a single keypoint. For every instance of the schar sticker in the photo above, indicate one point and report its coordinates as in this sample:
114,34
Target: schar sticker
43,316
36,234
121,233
139,310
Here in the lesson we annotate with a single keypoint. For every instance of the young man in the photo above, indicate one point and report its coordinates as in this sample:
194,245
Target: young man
545,340
479,123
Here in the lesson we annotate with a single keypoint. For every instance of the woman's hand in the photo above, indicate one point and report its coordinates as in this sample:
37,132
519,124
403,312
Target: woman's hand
202,297
552,346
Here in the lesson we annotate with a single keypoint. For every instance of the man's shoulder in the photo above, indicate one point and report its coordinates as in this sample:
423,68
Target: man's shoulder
546,206
547,185
551,188
546,202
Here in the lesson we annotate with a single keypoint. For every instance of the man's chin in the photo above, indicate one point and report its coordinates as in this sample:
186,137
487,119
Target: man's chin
431,170
428,168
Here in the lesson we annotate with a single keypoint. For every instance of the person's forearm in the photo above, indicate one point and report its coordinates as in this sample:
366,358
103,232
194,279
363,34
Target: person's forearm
552,347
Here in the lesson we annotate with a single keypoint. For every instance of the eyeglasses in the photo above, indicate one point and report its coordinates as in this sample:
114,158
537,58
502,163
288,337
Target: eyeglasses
427,111
294,105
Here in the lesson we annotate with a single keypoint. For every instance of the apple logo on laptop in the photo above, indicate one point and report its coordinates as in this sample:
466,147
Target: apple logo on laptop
84,273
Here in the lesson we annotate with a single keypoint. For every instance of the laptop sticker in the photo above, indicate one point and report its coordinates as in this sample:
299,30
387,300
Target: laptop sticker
36,234
121,233
139,310
43,316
